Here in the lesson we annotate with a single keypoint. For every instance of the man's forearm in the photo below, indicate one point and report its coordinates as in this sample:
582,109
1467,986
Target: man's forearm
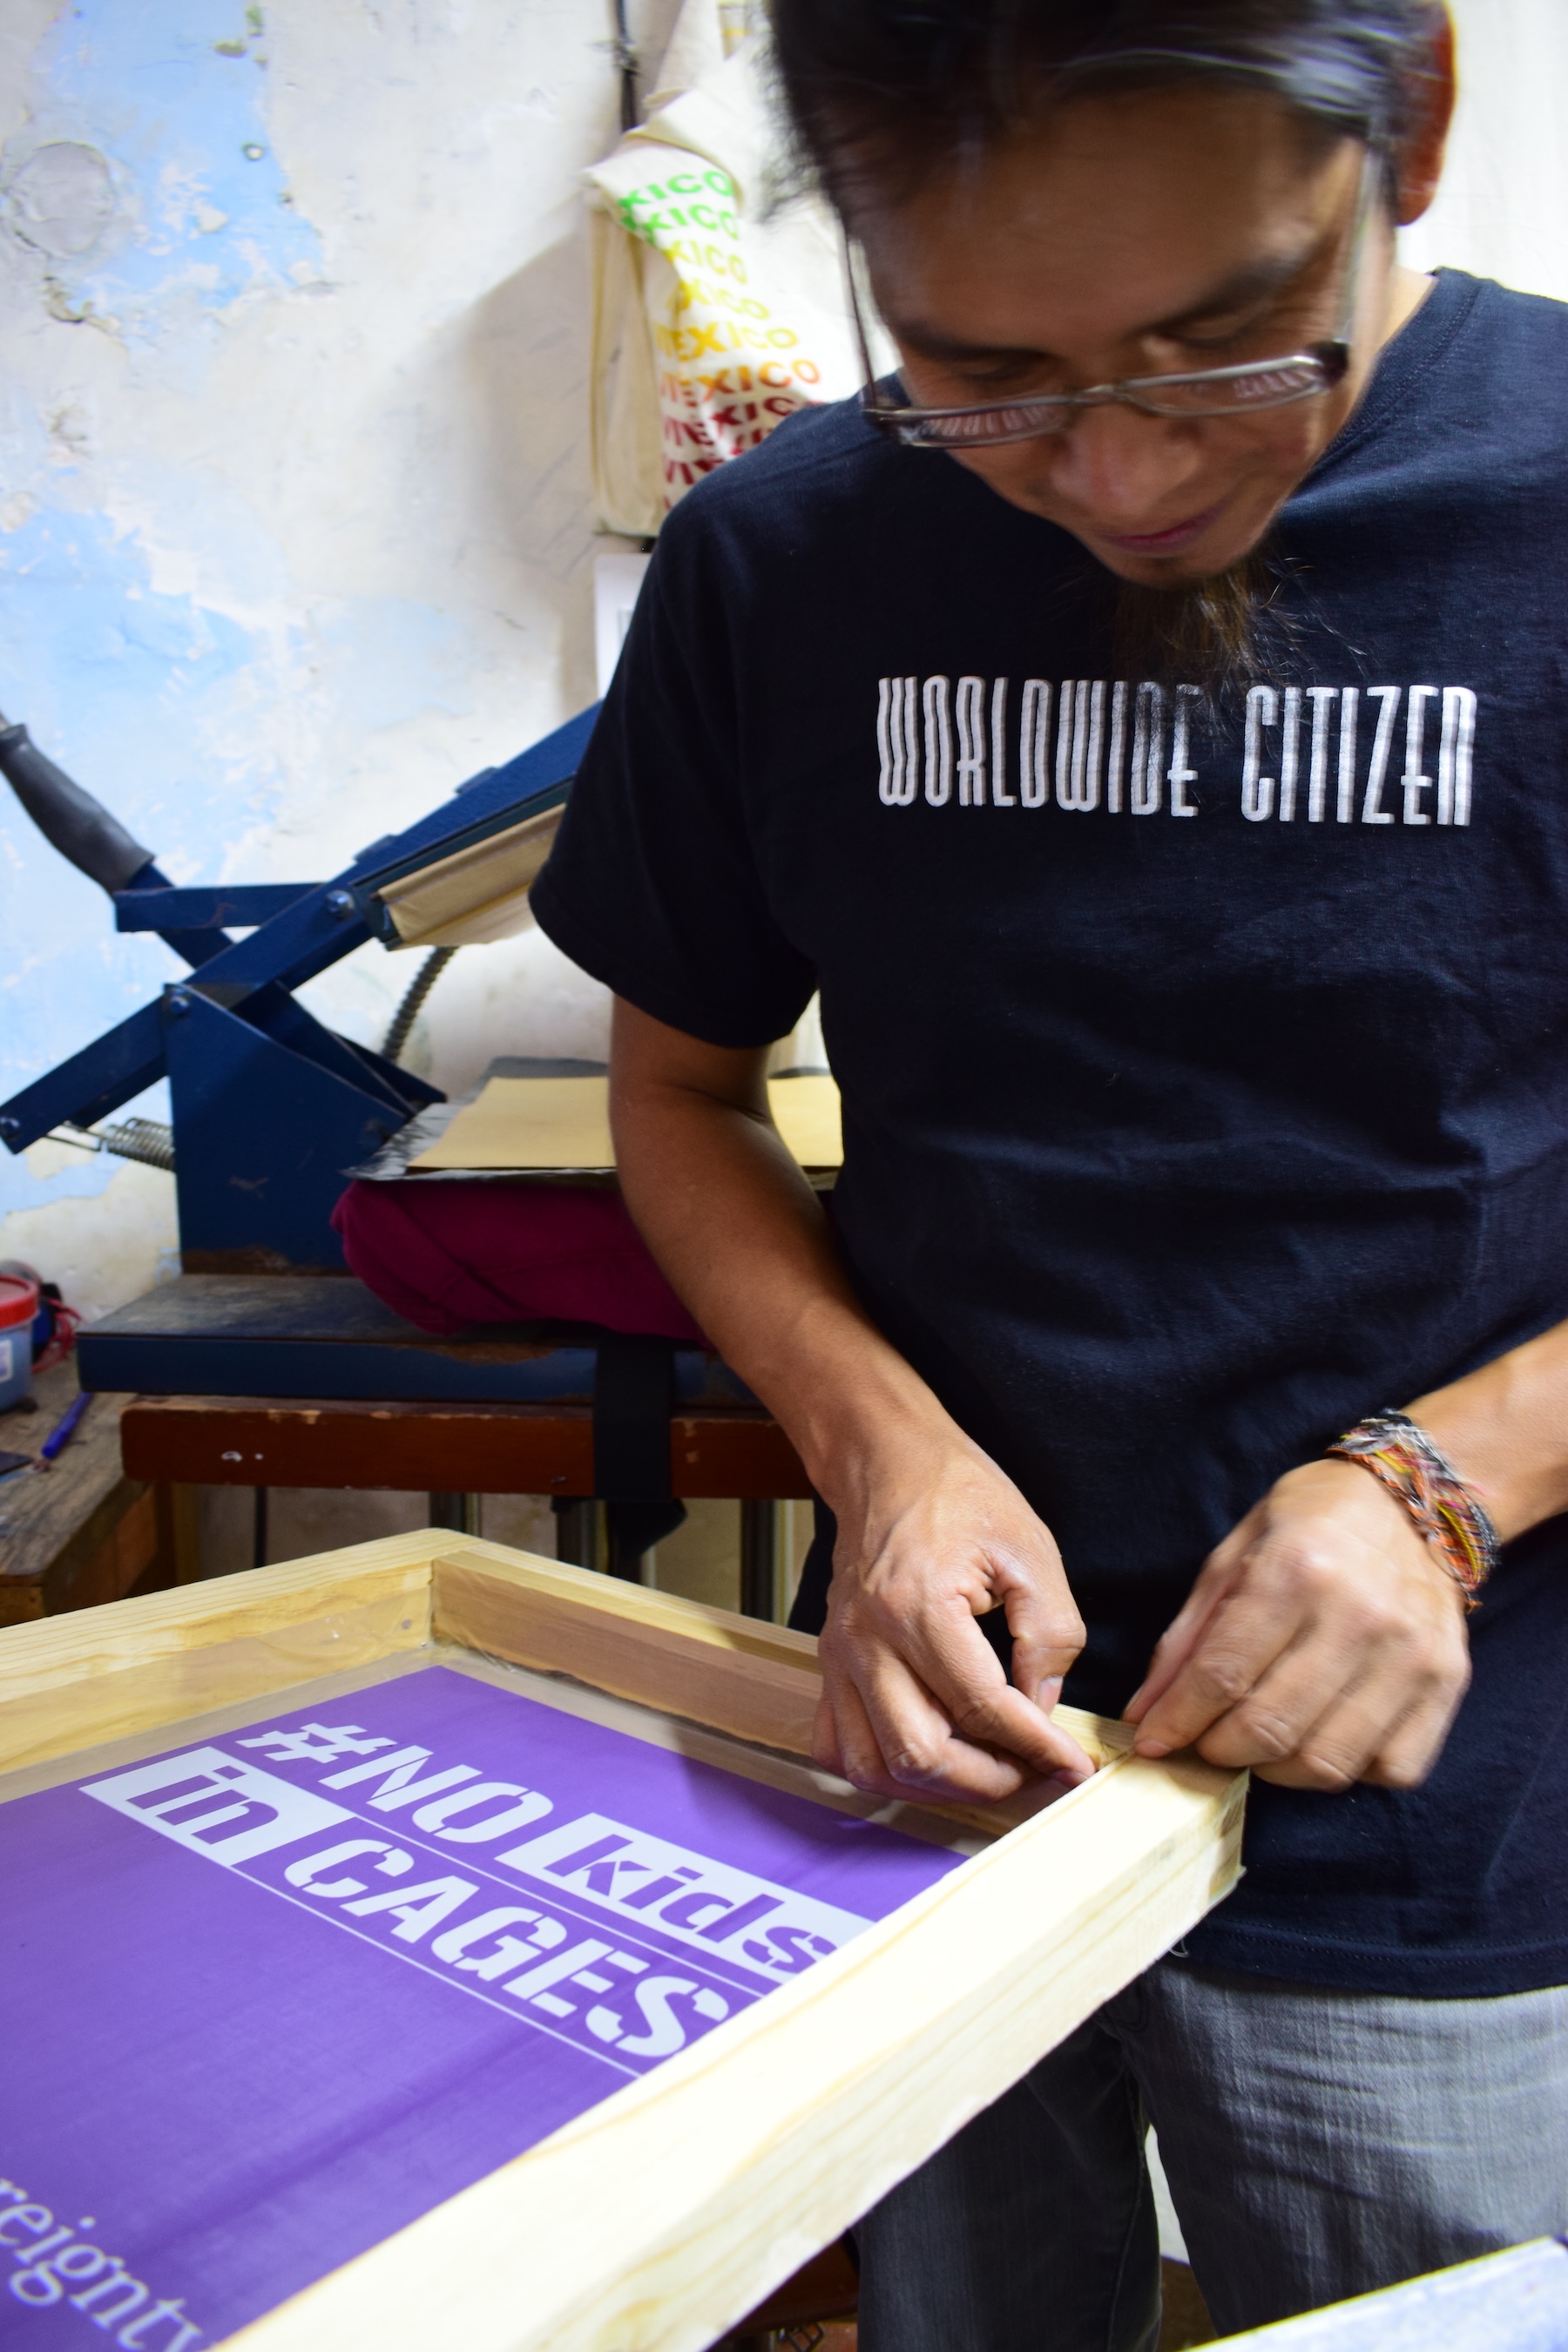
742,1238
1505,1429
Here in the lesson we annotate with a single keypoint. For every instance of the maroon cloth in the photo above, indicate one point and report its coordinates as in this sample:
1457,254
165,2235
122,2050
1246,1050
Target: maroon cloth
449,1255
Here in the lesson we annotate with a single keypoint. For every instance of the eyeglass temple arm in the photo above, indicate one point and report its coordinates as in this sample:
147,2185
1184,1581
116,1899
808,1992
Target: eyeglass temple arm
861,337
1372,171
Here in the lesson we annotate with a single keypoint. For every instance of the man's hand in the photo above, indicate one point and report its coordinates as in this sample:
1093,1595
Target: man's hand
915,1703
1323,1644
931,1534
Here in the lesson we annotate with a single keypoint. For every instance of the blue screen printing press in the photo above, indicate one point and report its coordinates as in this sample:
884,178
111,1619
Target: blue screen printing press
271,1110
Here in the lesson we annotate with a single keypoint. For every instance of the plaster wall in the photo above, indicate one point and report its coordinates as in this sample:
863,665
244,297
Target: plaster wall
1503,209
294,508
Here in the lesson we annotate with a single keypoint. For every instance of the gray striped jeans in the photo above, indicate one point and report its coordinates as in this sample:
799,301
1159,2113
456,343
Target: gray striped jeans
1318,2144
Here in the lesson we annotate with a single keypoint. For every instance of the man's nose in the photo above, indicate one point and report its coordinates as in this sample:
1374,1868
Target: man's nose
1122,470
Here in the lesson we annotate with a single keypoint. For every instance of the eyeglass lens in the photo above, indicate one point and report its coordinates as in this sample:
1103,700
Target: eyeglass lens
1269,385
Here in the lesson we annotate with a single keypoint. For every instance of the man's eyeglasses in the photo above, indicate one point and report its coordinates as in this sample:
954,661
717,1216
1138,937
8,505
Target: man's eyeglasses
1238,391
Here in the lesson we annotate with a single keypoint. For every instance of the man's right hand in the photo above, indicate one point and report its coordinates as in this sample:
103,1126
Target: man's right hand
915,1703
932,1536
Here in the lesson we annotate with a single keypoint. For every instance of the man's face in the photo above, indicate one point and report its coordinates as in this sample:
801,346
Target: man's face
1148,233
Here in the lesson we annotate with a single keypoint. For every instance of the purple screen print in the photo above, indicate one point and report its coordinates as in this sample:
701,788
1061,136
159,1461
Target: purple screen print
273,1996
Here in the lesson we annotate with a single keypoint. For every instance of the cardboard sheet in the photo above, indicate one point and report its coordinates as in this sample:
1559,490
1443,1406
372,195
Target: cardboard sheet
563,1126
276,1994
477,895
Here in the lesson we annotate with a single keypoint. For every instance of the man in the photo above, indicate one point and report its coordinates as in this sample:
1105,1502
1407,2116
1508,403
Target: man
1142,716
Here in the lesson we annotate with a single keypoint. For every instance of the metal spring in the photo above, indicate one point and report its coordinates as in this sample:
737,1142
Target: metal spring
147,1140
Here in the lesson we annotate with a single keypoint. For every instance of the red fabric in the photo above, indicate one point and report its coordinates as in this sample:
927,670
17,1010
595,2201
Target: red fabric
449,1255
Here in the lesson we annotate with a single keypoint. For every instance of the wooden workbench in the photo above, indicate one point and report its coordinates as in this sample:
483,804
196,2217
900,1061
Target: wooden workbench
456,1451
88,1529
311,1382
481,1449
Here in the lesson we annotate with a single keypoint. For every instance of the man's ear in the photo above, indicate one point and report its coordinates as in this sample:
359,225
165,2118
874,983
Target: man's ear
1432,93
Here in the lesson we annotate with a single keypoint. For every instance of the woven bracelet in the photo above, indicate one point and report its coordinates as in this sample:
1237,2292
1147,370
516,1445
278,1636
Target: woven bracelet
1419,1476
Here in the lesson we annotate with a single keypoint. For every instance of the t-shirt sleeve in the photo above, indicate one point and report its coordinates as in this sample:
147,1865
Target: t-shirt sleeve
653,884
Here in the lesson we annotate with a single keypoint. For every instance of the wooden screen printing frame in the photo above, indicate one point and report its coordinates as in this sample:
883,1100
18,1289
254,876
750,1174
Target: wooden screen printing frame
657,2220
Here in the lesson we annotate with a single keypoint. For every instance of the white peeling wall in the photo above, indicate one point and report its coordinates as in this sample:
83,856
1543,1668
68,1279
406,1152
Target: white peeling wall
1503,209
294,509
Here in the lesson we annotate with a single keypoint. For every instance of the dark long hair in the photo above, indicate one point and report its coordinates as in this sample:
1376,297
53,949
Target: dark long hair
890,89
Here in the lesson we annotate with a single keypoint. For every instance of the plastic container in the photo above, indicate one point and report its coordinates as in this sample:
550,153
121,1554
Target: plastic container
44,1321
18,1311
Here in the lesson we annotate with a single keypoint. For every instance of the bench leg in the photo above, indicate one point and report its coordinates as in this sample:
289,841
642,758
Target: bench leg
759,1551
458,1512
579,1531
179,1520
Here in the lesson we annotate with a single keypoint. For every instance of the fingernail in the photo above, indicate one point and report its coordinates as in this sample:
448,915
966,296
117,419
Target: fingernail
1050,1692
1151,1747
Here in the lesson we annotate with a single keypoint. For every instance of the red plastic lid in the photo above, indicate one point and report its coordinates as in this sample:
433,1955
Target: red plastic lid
18,1300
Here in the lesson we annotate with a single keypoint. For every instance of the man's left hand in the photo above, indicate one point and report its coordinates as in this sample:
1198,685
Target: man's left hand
1323,1643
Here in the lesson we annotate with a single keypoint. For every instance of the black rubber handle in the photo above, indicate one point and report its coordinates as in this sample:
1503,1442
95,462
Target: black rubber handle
68,818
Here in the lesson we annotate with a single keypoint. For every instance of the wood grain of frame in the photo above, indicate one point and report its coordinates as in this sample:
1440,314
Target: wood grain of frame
658,2217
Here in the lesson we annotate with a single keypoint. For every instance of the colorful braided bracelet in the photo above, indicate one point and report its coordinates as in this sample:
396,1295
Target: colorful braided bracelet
1418,1475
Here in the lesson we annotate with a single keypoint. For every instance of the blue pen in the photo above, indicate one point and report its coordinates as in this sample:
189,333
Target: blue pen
64,1430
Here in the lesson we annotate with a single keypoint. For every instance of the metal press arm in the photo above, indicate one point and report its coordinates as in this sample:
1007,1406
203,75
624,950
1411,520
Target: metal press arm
83,831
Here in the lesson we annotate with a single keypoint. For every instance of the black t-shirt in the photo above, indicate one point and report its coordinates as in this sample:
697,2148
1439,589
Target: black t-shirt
1206,1087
